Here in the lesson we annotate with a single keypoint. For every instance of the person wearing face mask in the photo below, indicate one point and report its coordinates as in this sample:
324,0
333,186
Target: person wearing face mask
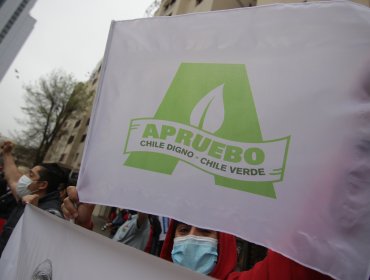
192,247
214,253
205,251
39,187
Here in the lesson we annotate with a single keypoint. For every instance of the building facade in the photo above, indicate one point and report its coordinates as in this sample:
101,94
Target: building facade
67,148
15,26
178,7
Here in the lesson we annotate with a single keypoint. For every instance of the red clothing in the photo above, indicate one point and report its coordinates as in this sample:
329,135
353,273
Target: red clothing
273,267
2,223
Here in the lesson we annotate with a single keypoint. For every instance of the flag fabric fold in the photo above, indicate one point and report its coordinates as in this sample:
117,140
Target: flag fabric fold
44,246
250,121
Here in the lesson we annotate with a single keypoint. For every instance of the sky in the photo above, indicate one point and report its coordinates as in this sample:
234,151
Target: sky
69,35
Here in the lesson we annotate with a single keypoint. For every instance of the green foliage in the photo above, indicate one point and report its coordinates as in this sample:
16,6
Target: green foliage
49,103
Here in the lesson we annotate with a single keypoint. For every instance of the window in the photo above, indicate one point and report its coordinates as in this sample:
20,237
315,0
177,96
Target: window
13,18
197,2
94,81
76,156
70,139
83,138
62,157
77,123
88,121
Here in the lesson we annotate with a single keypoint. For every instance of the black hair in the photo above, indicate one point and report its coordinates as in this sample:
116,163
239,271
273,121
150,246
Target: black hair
176,223
55,175
156,225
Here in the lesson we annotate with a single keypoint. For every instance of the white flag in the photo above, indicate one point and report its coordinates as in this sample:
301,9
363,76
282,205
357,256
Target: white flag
46,247
251,121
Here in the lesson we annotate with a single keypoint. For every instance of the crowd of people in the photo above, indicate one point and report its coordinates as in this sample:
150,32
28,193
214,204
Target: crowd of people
40,186
204,251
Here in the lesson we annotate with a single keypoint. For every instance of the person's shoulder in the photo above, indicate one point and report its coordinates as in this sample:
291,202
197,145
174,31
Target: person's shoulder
50,201
52,206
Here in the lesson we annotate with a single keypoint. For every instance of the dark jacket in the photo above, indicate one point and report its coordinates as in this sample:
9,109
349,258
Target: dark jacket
51,203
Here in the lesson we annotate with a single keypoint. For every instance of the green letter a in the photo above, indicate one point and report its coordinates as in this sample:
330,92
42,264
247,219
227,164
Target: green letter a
192,82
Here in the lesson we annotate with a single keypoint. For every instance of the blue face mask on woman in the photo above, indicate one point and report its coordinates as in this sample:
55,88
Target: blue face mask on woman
197,253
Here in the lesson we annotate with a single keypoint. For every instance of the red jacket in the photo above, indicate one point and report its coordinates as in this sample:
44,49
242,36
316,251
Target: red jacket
273,267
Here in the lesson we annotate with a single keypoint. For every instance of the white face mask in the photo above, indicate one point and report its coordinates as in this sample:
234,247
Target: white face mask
22,186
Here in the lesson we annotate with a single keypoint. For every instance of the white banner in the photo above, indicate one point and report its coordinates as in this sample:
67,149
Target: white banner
44,246
252,121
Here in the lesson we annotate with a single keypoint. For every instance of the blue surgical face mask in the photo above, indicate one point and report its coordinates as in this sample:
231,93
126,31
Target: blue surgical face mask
22,186
197,253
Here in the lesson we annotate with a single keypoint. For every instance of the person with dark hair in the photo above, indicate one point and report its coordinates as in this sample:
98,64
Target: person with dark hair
206,251
40,187
214,253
